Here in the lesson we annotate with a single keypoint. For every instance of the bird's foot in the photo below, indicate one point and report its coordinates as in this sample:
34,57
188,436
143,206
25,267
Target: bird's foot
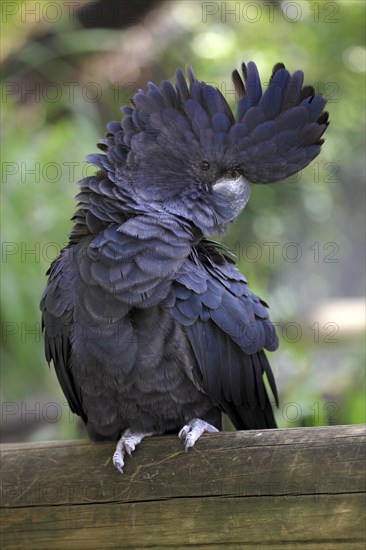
193,430
127,444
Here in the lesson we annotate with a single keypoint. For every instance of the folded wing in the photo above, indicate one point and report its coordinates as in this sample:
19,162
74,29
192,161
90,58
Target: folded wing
228,328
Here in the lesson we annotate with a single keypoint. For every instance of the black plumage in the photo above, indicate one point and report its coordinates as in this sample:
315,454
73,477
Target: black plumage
149,323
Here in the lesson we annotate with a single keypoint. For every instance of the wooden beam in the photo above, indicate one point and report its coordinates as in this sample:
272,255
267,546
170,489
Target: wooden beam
294,488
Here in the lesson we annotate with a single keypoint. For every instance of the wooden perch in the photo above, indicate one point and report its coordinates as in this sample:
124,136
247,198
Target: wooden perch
294,488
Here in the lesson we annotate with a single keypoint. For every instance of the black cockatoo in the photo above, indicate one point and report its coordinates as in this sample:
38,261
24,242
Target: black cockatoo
149,324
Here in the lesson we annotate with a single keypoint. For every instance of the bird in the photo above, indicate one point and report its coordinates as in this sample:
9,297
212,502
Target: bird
151,327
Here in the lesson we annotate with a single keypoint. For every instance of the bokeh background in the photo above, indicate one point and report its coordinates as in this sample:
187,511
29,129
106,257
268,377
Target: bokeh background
66,70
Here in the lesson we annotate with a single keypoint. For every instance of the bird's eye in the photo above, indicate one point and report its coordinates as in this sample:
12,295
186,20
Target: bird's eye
205,166
234,174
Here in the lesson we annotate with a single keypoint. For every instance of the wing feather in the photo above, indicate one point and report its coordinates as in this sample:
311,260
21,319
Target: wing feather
228,327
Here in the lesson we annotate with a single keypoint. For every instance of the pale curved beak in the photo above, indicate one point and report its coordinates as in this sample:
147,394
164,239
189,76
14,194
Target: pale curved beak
236,191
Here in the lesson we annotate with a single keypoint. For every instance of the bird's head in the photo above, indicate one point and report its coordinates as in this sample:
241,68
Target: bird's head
181,150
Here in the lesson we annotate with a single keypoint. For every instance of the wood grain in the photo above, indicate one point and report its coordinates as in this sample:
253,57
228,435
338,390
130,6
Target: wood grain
294,488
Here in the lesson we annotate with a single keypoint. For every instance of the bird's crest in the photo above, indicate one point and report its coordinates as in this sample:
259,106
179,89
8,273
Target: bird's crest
272,136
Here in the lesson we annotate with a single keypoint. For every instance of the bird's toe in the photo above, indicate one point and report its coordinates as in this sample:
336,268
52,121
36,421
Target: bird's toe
127,444
193,431
118,460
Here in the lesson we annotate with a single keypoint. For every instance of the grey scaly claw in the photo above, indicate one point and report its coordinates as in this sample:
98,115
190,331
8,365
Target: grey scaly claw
193,431
127,444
